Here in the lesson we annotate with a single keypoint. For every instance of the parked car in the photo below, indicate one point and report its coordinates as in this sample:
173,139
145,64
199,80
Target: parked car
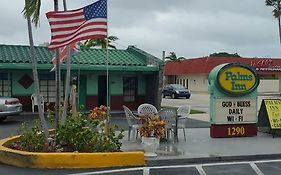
175,91
9,106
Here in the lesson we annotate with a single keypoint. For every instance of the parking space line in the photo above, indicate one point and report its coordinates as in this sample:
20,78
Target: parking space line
109,171
199,167
256,169
146,171
200,170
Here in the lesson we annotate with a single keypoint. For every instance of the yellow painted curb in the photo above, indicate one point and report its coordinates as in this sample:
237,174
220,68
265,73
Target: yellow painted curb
67,160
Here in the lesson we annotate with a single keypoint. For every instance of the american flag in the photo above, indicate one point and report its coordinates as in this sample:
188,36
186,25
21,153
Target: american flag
76,25
74,49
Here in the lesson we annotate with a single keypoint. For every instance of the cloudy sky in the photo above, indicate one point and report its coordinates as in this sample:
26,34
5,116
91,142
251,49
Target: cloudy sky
190,28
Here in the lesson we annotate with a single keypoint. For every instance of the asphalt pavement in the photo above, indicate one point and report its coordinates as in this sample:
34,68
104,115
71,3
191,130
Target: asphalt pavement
181,157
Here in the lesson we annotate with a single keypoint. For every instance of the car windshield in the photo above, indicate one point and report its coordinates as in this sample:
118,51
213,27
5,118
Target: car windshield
178,87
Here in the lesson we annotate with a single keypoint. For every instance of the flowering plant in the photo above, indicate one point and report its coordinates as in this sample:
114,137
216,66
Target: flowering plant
99,113
152,126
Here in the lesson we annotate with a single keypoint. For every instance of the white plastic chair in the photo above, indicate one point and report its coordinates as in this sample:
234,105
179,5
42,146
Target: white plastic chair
183,112
169,115
132,122
147,108
35,101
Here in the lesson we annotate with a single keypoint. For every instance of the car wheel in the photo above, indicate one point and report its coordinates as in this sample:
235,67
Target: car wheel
164,96
2,119
174,96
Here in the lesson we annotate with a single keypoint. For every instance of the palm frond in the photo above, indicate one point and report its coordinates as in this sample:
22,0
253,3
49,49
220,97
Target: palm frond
101,42
32,9
173,57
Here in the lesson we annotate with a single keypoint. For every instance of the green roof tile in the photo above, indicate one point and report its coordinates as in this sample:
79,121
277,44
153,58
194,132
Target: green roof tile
17,57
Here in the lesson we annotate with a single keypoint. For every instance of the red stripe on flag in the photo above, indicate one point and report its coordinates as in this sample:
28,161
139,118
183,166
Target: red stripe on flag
76,40
78,33
70,37
53,30
62,14
66,21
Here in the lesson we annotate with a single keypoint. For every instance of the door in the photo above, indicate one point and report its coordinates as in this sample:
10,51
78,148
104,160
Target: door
102,90
82,91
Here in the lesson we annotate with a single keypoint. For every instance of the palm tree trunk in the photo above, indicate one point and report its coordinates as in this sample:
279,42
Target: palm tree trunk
67,81
36,81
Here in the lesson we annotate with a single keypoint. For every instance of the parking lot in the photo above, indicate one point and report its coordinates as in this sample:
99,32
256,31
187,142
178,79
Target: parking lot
201,101
260,167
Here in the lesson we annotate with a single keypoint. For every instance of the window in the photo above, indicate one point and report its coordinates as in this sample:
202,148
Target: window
5,85
48,87
183,82
129,89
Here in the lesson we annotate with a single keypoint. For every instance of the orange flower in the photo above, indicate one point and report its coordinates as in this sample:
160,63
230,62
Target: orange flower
98,112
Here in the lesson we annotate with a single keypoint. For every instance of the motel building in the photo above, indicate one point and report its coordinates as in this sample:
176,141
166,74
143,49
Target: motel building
133,75
193,73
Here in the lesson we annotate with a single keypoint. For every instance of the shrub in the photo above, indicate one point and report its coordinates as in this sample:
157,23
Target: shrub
79,133
32,138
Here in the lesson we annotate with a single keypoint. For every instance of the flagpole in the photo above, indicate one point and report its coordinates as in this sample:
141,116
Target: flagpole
107,76
57,105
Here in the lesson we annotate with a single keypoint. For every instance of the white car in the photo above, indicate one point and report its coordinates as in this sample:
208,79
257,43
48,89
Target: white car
9,106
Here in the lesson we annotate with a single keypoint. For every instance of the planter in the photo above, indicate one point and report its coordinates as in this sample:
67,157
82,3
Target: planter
150,145
67,159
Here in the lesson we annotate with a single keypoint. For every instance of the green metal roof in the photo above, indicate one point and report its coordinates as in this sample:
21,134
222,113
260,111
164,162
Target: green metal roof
131,59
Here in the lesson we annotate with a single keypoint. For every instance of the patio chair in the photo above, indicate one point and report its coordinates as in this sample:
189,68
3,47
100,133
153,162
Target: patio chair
35,101
132,122
183,112
169,115
147,108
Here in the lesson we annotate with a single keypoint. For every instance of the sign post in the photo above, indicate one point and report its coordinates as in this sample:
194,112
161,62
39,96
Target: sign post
233,100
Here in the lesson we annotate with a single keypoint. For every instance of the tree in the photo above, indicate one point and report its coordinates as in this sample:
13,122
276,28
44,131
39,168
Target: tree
276,12
224,54
96,42
173,57
67,81
32,8
31,13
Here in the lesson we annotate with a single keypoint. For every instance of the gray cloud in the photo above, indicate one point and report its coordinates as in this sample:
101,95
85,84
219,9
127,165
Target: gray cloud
191,28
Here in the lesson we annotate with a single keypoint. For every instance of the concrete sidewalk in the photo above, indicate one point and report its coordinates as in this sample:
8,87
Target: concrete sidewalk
200,147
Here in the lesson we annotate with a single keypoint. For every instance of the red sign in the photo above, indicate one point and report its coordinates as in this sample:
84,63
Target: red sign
262,63
236,130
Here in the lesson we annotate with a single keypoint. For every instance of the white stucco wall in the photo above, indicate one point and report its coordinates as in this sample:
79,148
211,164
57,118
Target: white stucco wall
268,86
196,83
199,83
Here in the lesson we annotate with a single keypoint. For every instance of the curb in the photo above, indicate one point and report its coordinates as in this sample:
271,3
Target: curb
67,160
170,162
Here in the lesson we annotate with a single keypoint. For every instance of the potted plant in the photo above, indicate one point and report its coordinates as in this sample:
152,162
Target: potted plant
152,129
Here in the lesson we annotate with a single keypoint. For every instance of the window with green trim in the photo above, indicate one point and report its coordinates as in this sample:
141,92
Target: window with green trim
129,89
48,87
5,85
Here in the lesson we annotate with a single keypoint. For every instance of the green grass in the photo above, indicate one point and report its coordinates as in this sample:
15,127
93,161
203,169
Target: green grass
193,111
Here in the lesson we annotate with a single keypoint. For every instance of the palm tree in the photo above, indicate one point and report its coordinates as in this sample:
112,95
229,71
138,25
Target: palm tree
32,9
173,57
276,12
67,81
102,42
